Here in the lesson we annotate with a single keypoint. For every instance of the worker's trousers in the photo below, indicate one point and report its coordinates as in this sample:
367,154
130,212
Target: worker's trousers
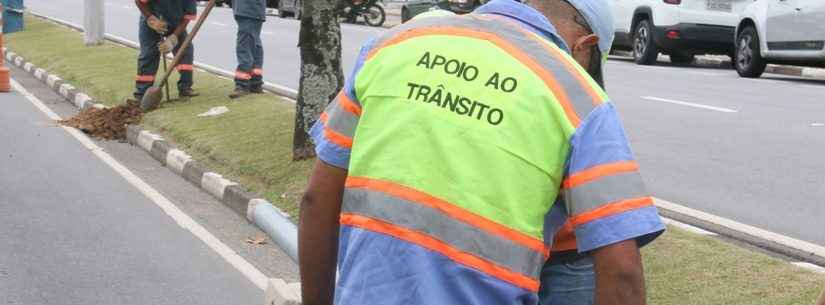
250,54
568,283
149,59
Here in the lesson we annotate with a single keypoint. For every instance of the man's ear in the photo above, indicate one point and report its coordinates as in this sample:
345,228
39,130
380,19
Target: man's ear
585,43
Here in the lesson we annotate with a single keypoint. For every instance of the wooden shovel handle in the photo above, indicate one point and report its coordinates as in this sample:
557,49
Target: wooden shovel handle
821,300
188,41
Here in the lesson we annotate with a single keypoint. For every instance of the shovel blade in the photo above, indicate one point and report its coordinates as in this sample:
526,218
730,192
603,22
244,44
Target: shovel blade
151,99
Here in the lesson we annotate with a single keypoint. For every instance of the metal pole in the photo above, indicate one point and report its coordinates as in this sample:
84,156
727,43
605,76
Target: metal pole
93,22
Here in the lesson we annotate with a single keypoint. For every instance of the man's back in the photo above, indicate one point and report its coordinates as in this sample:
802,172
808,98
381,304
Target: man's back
458,133
458,154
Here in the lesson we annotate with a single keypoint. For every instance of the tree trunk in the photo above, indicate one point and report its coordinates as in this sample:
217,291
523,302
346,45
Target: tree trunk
321,75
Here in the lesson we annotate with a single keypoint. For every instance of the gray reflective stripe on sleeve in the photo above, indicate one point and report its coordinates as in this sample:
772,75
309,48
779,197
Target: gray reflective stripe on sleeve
458,234
605,190
340,120
538,49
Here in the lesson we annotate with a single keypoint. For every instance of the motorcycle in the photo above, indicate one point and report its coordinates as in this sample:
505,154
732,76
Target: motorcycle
371,10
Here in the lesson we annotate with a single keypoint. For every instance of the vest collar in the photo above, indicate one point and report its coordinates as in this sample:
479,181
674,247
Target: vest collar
525,15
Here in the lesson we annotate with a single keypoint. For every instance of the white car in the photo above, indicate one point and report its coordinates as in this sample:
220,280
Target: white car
679,28
780,31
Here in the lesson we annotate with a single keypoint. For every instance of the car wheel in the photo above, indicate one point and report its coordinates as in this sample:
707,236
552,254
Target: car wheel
749,61
645,51
299,9
682,58
405,15
375,15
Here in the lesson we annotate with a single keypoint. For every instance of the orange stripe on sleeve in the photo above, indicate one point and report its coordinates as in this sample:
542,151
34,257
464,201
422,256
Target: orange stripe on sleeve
451,210
189,17
600,171
348,104
441,247
611,209
333,136
549,80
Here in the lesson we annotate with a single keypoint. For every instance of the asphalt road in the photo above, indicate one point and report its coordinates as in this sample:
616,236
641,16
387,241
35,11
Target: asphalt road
75,231
748,150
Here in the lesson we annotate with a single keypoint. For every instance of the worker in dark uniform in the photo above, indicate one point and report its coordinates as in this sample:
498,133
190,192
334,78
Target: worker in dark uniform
250,16
162,29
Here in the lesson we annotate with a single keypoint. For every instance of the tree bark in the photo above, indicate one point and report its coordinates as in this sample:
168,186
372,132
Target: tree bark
321,76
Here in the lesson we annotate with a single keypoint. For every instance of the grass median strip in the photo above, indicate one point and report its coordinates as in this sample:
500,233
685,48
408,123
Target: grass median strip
252,144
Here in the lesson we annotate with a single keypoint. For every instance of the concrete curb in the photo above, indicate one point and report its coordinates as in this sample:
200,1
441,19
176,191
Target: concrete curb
725,63
254,208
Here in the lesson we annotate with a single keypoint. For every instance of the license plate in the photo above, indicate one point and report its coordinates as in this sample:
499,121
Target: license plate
720,5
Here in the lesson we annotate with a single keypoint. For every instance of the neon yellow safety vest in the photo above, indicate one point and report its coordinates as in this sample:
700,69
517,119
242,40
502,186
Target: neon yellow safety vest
460,134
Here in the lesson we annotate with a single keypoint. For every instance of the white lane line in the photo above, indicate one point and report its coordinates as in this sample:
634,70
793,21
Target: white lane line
128,7
810,267
267,33
253,274
740,227
218,23
664,100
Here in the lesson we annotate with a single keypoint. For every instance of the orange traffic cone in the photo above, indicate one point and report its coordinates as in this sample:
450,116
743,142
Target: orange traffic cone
5,74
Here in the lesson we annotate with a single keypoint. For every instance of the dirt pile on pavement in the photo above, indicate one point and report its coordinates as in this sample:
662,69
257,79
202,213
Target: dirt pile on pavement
108,123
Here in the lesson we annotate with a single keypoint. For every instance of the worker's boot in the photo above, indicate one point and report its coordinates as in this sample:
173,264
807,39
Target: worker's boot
239,92
257,90
187,93
134,100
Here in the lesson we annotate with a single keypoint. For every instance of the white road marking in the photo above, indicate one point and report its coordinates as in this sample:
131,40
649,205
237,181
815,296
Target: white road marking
267,33
740,227
128,7
817,124
218,23
809,266
253,274
708,107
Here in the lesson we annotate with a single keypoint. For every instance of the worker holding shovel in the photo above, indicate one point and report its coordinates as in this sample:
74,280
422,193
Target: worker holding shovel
156,39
